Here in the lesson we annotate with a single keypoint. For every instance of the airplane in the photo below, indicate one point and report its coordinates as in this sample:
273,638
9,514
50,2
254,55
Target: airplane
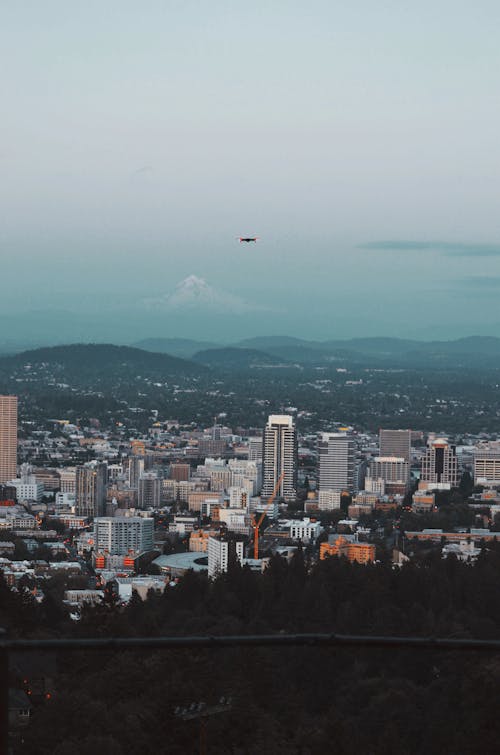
247,240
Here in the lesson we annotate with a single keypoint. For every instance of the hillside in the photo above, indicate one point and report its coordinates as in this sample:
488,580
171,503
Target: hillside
184,348
102,359
471,352
232,358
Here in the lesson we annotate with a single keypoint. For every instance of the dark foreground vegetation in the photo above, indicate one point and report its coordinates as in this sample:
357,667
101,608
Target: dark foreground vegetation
291,700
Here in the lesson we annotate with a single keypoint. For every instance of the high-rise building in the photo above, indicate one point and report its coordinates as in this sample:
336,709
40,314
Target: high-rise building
395,443
180,472
336,454
67,477
135,469
487,464
440,464
255,448
90,490
280,455
221,550
8,438
393,470
149,491
117,535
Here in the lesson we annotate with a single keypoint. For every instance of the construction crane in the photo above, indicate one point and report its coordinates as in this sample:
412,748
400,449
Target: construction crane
256,524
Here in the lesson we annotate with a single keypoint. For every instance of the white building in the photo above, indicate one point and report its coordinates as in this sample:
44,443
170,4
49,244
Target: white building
247,474
65,500
258,505
27,488
305,530
118,535
280,456
220,551
67,478
336,454
236,520
375,485
183,524
329,500
238,498
487,464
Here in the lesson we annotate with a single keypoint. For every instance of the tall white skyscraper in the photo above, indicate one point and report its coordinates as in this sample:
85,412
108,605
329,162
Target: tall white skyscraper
336,453
280,455
8,438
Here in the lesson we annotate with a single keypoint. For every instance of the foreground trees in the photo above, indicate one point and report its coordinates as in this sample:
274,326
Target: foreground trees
291,700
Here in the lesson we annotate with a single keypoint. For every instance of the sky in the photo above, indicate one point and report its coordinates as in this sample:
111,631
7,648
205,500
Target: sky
358,140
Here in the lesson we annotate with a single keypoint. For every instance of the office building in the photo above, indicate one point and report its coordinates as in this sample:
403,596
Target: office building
90,490
180,472
439,465
395,443
487,464
280,456
305,529
27,487
118,535
394,472
67,479
255,448
135,469
336,455
328,500
223,550
149,491
8,438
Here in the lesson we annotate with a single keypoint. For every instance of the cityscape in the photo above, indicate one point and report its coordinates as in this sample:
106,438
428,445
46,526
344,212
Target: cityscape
250,378
97,515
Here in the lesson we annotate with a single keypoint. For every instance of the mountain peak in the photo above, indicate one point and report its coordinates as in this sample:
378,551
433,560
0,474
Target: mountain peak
195,294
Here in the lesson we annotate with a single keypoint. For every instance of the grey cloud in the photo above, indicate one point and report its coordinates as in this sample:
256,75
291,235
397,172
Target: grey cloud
449,248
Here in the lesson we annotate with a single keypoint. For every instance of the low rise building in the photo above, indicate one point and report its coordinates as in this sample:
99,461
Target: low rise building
349,547
305,529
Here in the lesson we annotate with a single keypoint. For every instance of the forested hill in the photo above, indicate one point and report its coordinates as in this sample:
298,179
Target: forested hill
103,359
288,701
230,358
470,353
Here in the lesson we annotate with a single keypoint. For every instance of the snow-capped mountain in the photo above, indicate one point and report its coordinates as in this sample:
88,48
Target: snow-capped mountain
195,294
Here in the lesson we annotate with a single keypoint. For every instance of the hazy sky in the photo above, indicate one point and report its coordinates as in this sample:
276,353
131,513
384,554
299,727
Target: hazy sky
140,138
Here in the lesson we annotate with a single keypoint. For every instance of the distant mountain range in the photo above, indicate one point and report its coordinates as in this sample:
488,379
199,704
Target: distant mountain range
177,347
473,351
232,357
190,357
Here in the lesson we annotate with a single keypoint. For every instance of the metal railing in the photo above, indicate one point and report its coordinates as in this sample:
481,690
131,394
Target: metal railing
330,640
